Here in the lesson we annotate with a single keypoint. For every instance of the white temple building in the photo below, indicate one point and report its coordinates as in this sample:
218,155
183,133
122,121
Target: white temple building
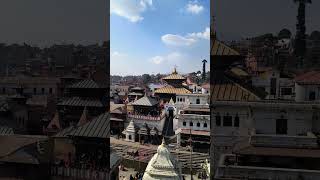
162,166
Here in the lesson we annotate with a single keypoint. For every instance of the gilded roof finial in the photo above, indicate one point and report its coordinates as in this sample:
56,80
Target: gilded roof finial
175,70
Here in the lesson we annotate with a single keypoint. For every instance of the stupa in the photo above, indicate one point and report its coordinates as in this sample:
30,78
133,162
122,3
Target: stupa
162,166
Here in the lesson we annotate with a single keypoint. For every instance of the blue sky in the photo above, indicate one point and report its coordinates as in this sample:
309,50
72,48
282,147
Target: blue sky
152,36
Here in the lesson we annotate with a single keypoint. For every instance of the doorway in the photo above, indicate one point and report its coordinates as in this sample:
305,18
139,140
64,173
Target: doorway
281,126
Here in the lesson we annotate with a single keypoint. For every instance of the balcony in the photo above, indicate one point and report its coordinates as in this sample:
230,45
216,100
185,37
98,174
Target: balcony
232,170
144,117
78,173
307,141
194,117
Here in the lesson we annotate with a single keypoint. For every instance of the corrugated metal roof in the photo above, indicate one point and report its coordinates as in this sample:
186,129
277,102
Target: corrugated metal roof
312,77
172,90
224,89
98,128
145,101
220,49
87,84
6,130
80,101
114,159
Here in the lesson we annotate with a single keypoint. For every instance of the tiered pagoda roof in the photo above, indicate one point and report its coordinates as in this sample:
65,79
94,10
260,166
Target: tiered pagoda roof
174,76
145,101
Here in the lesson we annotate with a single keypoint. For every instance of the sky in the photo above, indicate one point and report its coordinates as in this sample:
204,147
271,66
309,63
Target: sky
236,19
44,22
154,36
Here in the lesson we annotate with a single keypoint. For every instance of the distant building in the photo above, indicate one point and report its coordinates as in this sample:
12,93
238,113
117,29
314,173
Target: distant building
86,93
174,86
146,120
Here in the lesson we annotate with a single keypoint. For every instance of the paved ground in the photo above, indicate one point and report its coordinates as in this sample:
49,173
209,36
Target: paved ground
147,151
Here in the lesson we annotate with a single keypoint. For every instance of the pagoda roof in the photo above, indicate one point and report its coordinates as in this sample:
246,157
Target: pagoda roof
172,90
99,127
220,49
80,101
145,101
174,76
87,84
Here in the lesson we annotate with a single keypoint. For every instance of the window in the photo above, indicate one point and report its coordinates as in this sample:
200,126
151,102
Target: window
198,101
205,125
42,90
273,86
198,124
312,96
50,90
3,90
218,120
34,90
191,123
184,123
236,121
286,91
227,120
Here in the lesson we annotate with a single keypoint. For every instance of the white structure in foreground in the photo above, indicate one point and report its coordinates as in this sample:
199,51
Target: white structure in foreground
162,166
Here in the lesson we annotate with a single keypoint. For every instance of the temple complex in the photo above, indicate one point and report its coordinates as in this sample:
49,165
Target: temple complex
174,86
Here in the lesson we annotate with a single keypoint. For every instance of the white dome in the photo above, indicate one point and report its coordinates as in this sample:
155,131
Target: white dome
161,166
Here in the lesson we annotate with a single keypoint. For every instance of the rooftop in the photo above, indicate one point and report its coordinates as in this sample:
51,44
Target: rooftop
172,90
220,49
309,78
145,101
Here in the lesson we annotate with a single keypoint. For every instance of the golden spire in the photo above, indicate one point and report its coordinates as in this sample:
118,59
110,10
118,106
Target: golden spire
175,70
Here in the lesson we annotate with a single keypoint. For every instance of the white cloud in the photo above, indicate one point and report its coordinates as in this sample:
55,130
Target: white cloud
130,9
116,54
194,7
202,35
157,59
188,40
177,40
169,59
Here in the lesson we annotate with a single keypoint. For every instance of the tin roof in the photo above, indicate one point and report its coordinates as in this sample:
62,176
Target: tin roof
99,127
225,89
6,130
87,84
220,49
145,101
80,101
